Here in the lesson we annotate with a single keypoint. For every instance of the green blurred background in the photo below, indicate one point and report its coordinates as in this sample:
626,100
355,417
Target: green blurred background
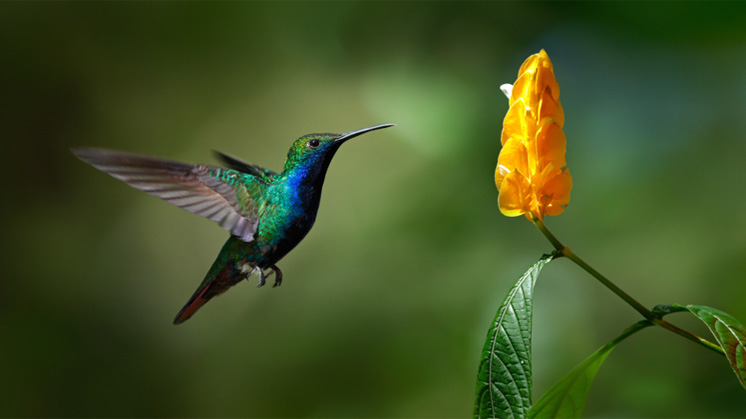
386,303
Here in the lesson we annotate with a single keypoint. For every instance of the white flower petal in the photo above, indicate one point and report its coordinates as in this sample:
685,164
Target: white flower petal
507,89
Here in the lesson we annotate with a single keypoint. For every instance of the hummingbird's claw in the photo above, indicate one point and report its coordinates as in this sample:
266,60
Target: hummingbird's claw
278,276
261,278
249,270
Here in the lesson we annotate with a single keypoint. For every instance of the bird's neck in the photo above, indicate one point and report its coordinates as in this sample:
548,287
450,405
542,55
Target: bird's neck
304,182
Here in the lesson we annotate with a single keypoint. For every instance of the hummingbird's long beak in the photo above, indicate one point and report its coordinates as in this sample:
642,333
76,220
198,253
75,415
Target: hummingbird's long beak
346,136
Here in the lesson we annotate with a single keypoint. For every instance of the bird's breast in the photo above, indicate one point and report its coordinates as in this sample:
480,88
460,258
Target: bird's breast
283,224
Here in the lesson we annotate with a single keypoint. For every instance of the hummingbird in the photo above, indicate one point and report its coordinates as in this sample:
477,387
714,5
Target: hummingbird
266,213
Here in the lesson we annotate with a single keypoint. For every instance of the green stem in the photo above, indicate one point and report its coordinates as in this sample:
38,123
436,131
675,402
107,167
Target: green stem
608,284
691,336
548,234
563,250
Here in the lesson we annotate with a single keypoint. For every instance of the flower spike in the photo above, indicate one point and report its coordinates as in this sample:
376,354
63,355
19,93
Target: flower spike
531,175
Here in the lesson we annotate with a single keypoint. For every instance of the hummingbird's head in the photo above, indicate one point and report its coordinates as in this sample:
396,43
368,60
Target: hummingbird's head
317,150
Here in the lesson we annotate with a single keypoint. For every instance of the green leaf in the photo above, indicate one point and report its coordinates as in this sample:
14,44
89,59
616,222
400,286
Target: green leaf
504,379
729,333
566,398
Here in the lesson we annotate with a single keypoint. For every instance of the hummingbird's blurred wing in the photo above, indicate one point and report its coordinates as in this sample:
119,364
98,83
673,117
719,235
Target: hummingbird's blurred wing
223,196
242,166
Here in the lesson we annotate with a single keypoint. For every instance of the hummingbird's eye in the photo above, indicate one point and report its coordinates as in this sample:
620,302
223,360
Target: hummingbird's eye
314,143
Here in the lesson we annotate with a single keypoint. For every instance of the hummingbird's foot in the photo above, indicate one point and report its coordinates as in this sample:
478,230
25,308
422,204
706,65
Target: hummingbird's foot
262,277
250,269
278,276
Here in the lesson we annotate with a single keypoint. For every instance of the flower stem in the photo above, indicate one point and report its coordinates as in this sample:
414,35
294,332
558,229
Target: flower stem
563,250
548,234
608,284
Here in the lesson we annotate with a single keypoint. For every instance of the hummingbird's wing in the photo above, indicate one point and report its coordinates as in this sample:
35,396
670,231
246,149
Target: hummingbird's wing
242,166
223,196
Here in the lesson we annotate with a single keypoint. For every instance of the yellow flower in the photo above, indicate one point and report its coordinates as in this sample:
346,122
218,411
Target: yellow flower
531,175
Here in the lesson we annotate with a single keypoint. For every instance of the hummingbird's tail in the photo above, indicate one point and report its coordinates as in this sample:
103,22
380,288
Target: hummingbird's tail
220,277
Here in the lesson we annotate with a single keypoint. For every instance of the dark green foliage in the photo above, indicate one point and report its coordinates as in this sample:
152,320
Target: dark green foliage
504,380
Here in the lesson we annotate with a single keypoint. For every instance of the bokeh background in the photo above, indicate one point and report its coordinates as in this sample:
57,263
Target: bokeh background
386,304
